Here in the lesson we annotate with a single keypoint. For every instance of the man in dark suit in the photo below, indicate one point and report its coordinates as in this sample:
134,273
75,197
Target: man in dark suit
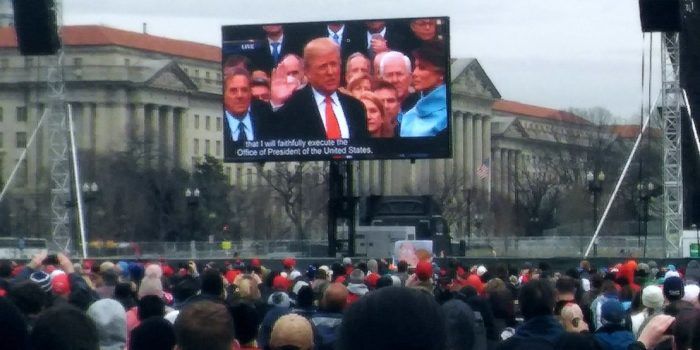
273,47
319,110
245,119
380,37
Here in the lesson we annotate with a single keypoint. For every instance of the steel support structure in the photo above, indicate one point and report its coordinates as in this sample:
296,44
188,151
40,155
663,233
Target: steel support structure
671,103
59,151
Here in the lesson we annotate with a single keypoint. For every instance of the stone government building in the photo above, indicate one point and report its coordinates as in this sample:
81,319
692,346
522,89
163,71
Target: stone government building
165,94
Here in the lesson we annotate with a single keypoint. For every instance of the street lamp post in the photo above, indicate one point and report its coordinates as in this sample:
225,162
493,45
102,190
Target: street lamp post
192,197
647,191
595,186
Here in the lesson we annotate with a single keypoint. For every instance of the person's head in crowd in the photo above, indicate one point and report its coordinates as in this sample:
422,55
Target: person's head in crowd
13,327
424,270
402,266
652,298
494,285
386,93
334,298
359,84
204,325
64,328
279,299
246,322
237,94
429,71
305,297
109,317
375,119
572,319
150,306
612,312
459,325
184,289
395,68
608,288
385,281
28,297
372,266
691,292
685,329
566,288
248,288
294,65
212,284
536,298
577,341
322,65
153,334
389,309
260,89
273,31
292,332
357,63
424,28
60,285
356,277
673,289
280,283
236,61
375,26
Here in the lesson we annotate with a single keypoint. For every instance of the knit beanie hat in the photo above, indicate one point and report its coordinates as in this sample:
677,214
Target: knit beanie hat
151,285
42,279
110,318
652,297
481,270
279,299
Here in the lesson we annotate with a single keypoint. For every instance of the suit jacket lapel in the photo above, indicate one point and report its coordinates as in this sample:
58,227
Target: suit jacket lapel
315,115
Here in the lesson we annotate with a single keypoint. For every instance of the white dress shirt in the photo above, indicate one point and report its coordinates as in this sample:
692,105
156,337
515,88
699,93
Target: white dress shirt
233,123
337,109
369,36
339,32
279,48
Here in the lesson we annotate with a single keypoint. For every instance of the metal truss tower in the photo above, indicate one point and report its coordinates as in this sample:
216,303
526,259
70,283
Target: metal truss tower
59,152
671,97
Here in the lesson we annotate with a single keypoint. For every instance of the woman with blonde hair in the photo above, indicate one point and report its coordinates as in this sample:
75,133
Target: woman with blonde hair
375,113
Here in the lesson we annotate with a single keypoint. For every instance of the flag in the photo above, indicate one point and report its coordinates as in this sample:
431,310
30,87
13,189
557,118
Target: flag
483,171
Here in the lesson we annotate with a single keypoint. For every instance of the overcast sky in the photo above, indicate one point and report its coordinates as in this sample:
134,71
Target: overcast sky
553,53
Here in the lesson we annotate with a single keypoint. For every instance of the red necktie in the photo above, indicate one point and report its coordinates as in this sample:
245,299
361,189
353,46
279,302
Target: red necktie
332,126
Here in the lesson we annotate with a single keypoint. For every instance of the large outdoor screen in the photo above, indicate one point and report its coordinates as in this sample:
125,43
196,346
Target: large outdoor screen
360,89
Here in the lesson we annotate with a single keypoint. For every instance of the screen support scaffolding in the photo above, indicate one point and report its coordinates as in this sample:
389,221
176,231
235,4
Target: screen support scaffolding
341,205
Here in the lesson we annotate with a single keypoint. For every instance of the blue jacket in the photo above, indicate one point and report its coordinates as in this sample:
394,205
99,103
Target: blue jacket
428,117
540,332
614,337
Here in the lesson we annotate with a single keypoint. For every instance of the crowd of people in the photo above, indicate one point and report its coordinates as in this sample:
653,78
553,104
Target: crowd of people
54,303
373,79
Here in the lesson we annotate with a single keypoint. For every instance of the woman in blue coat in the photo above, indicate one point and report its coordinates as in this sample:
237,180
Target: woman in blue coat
429,116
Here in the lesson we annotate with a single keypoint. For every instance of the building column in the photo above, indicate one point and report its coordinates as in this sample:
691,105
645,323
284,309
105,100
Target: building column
386,177
178,127
170,136
138,120
456,169
478,150
468,150
486,135
102,123
496,169
505,172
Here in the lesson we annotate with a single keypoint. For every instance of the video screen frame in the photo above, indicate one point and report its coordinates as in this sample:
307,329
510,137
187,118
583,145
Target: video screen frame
277,132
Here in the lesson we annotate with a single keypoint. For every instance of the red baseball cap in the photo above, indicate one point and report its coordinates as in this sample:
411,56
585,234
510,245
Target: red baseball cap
255,262
424,270
60,284
280,283
289,262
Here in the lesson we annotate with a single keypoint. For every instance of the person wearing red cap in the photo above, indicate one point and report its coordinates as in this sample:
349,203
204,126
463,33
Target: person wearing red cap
60,285
280,283
422,278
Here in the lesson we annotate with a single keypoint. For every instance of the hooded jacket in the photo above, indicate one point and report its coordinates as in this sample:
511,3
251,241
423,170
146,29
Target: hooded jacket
614,337
540,332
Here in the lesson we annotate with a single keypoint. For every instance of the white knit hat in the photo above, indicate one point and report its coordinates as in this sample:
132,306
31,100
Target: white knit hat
653,297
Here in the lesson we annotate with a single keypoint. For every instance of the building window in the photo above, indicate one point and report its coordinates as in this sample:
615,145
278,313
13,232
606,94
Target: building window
196,121
78,61
228,174
127,62
21,139
218,123
21,114
207,123
196,147
207,147
218,148
206,75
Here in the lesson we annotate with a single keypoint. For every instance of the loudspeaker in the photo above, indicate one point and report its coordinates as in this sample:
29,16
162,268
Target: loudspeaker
660,15
35,23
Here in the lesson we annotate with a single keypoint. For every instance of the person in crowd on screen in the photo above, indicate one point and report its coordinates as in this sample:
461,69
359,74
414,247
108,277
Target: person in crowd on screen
274,45
347,36
236,61
381,38
319,110
395,68
356,64
260,89
386,92
359,84
422,30
429,116
294,66
375,117
245,119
